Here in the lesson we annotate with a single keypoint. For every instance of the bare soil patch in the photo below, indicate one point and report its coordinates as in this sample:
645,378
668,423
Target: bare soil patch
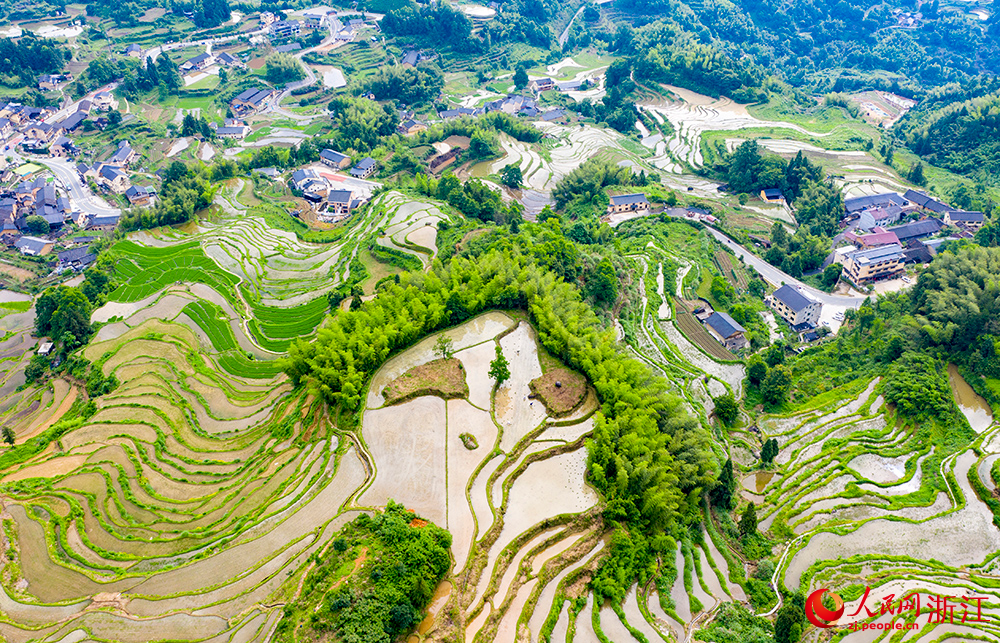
256,63
444,378
17,273
560,390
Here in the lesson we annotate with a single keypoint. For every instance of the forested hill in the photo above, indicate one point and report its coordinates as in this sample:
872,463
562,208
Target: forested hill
963,137
834,46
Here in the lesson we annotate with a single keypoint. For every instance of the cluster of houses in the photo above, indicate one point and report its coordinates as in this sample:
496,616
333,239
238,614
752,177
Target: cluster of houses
111,176
206,60
332,205
40,137
880,251
539,85
312,18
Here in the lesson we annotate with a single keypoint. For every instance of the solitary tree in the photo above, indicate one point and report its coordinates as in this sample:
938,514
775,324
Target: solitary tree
776,385
444,347
8,435
511,176
769,451
37,224
748,522
722,494
499,368
756,369
726,409
520,78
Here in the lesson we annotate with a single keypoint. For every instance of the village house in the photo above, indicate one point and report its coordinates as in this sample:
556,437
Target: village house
541,85
267,18
410,127
40,132
338,205
459,112
75,259
365,168
228,60
316,17
334,159
197,63
628,203
102,222
33,246
72,122
771,195
139,195
133,50
113,179
794,307
970,221
854,206
123,156
864,267
411,58
104,101
53,81
238,132
250,101
285,29
727,331
6,128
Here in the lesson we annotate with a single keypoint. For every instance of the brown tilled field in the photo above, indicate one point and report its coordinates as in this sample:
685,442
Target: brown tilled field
442,377
560,390
695,332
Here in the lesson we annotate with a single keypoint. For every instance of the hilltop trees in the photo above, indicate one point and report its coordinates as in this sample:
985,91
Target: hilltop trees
281,69
212,13
63,313
408,85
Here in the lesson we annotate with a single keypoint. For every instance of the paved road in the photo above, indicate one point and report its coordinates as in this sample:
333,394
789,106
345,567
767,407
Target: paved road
776,277
156,51
564,36
80,194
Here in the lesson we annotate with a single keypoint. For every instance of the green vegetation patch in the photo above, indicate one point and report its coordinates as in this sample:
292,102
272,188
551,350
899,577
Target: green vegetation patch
442,377
560,390
373,583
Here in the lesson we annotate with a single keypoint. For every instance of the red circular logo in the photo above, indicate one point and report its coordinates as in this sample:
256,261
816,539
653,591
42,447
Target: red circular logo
818,614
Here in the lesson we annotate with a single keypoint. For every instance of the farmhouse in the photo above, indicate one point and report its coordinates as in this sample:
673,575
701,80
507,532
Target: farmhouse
628,203
411,58
75,259
542,85
410,127
239,132
459,112
267,18
113,179
198,62
334,159
339,205
365,168
228,60
793,306
102,222
925,202
971,221
123,156
725,329
72,122
139,195
288,48
285,29
53,81
864,267
250,101
771,195
104,101
34,246
133,50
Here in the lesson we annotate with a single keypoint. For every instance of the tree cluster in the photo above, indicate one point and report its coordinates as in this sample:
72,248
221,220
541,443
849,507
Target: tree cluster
22,61
281,69
408,85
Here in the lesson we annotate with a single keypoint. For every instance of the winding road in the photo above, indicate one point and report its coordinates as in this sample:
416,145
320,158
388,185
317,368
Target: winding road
79,194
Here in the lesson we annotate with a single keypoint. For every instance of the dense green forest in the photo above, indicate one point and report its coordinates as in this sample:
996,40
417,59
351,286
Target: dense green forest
373,582
22,61
963,137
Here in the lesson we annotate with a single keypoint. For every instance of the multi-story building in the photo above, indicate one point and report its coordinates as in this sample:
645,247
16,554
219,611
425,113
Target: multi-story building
794,307
864,267
628,203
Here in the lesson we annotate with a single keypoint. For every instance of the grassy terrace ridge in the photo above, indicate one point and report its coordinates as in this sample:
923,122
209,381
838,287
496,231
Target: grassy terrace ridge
444,378
560,390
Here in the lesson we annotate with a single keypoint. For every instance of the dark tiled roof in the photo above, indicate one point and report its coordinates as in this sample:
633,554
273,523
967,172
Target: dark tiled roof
967,217
339,196
864,202
920,228
724,325
792,298
628,199
925,201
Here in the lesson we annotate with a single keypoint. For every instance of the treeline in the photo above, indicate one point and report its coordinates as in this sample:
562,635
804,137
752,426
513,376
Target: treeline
360,124
136,79
467,126
21,62
649,459
409,85
438,22
184,191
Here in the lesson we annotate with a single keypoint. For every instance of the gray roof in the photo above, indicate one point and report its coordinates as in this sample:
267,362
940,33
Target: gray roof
73,120
724,325
339,196
31,243
410,58
76,254
875,255
365,163
865,202
963,215
791,297
553,115
925,201
222,131
197,60
628,199
226,58
330,155
284,49
103,219
124,151
132,47
110,173
915,229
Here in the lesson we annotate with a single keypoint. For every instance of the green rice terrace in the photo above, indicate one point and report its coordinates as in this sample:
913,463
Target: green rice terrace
461,492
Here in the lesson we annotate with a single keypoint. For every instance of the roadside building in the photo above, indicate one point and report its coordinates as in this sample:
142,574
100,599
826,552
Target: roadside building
102,222
793,306
541,85
123,156
133,50
282,29
727,331
197,63
864,267
104,101
238,132
113,179
854,206
228,60
139,195
75,259
250,101
339,205
410,127
772,195
628,203
53,81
